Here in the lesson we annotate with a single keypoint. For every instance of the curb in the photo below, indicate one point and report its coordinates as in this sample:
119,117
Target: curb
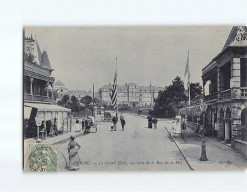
65,140
187,162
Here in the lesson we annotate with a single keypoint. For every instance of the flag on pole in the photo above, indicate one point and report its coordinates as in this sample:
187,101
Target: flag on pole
113,94
187,78
187,72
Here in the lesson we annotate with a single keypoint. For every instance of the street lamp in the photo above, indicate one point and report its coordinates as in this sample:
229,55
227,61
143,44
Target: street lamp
203,107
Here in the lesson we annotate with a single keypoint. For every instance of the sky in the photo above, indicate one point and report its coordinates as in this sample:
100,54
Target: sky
83,56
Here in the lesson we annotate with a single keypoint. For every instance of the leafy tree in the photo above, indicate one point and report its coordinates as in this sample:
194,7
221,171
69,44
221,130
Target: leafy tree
86,100
65,99
74,104
195,90
96,101
170,100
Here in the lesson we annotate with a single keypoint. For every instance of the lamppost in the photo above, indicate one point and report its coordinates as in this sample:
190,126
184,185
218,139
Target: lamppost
203,107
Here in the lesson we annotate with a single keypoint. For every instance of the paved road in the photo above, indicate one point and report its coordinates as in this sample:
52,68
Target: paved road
136,148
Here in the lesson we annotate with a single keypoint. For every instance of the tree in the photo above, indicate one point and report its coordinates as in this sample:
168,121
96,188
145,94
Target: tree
86,100
96,101
74,104
170,100
65,99
195,90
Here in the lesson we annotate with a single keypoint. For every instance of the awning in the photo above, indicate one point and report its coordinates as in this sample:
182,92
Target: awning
46,107
27,112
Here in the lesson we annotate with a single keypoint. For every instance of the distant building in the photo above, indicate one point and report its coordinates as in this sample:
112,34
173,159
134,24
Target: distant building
80,93
61,90
130,94
39,104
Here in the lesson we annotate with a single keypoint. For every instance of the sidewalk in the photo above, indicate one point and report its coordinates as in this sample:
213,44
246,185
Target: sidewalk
56,139
220,156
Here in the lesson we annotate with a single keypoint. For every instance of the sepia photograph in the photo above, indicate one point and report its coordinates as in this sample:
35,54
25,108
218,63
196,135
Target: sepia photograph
134,98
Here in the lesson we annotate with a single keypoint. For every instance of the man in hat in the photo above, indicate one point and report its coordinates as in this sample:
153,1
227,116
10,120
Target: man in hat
114,120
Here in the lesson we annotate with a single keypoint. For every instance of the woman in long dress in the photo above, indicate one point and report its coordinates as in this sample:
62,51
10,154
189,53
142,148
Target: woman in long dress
74,159
178,125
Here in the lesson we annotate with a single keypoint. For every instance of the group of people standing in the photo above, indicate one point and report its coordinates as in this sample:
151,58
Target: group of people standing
115,120
49,129
84,125
152,121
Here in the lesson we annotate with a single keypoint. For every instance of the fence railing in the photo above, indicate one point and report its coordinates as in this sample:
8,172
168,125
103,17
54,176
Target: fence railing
211,97
244,91
225,94
37,98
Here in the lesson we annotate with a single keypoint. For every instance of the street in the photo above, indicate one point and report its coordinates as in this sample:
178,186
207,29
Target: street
137,148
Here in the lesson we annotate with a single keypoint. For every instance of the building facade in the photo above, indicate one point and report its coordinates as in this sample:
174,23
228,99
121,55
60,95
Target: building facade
225,80
39,104
60,89
130,94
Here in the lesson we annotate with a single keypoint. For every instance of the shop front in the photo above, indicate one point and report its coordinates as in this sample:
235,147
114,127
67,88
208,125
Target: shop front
41,120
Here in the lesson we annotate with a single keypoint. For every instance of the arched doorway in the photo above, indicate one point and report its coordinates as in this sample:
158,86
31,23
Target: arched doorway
228,131
221,122
244,124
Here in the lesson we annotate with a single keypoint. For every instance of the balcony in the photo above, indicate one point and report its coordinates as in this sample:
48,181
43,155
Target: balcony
37,98
226,94
211,97
244,92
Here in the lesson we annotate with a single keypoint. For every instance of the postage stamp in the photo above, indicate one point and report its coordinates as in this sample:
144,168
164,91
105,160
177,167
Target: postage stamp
42,158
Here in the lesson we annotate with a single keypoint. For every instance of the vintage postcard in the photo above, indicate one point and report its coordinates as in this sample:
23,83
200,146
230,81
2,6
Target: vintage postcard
158,98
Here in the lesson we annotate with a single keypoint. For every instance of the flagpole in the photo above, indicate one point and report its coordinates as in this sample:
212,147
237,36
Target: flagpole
189,91
93,102
189,77
116,82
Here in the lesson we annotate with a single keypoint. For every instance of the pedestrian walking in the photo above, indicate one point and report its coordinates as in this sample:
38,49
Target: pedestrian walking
184,132
74,159
83,124
177,125
123,123
155,121
114,120
87,125
150,126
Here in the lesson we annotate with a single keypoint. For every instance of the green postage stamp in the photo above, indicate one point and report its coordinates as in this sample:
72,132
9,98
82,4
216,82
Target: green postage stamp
42,158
